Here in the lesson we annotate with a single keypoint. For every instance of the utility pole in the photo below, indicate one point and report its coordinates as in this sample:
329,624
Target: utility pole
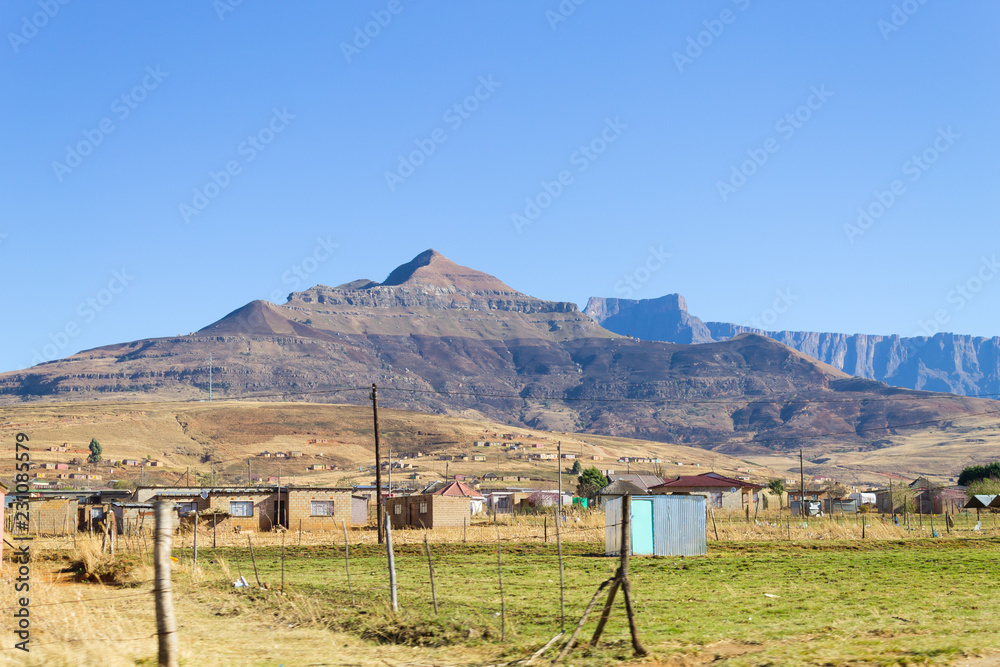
209,377
378,467
802,487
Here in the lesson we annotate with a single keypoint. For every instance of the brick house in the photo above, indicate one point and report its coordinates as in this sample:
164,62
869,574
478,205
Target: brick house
428,510
319,508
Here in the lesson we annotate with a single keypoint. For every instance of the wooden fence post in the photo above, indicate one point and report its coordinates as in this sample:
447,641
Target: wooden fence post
253,559
392,561
195,546
430,566
503,610
626,585
166,624
347,562
283,561
562,578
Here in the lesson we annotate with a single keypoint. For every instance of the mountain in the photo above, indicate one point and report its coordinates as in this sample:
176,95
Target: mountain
944,362
442,338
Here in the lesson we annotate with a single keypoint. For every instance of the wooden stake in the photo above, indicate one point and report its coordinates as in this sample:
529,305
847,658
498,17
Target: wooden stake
616,582
215,522
546,528
300,532
195,546
166,624
537,654
347,563
430,566
714,527
465,524
253,558
282,561
503,609
562,578
583,620
392,562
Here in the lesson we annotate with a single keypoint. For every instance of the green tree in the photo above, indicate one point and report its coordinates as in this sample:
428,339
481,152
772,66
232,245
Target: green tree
984,487
590,482
577,468
95,451
777,487
976,473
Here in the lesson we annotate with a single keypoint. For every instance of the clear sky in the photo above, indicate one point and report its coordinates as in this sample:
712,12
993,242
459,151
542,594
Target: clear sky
165,163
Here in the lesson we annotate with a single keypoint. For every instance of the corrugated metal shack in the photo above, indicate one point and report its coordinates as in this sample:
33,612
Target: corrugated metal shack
840,506
661,525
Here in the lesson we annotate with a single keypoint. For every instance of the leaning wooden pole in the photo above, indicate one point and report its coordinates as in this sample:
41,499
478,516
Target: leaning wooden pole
166,624
583,620
253,559
347,563
430,566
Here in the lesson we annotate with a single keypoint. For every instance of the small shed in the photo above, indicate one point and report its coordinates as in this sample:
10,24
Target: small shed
661,525
979,502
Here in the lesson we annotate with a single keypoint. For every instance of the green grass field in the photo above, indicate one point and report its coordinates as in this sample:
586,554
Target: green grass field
825,602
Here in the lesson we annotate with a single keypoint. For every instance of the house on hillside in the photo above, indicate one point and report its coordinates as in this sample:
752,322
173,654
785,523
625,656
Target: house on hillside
457,489
721,492
428,510
814,499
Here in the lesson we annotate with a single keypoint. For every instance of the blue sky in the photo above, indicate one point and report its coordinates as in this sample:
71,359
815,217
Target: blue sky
165,163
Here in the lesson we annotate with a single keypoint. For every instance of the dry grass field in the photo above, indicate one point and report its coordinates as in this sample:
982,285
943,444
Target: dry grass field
772,592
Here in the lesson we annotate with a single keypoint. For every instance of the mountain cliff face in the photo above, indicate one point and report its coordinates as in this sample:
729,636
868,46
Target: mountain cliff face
439,337
945,362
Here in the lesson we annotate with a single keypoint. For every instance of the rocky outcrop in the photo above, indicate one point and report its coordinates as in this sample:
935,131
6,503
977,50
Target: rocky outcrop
945,362
447,339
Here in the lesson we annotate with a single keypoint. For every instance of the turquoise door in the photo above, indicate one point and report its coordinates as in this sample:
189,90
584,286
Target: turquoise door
642,526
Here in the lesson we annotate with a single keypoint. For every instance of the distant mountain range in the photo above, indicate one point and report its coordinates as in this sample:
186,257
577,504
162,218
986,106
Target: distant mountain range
442,338
965,365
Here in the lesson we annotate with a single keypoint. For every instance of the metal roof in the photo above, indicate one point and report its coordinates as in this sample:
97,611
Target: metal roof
699,481
981,501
